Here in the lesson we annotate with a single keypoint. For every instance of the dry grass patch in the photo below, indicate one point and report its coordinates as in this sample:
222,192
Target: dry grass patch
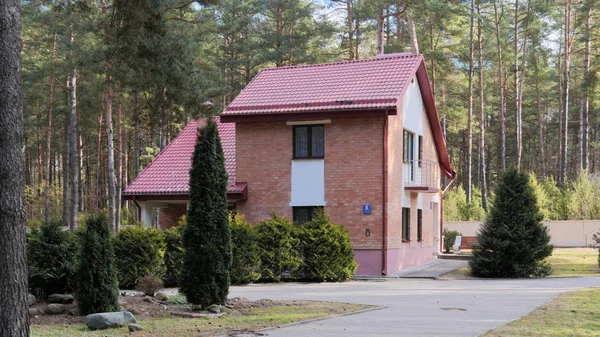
246,319
574,314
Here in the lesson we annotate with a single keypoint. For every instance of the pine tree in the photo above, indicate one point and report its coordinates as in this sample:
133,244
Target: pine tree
206,238
97,277
513,241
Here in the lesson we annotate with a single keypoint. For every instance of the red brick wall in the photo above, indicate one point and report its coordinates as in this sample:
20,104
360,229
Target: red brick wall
169,217
263,160
354,176
353,173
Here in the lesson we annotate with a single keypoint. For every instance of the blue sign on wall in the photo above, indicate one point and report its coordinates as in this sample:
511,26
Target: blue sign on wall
366,208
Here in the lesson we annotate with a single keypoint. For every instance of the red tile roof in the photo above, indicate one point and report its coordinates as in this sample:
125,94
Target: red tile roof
168,173
338,89
370,84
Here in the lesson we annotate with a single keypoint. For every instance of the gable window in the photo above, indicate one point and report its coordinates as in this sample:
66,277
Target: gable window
405,224
304,214
309,142
409,141
419,225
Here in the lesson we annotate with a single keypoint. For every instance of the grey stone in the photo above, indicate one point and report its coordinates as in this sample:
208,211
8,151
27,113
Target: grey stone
55,309
214,308
107,320
60,298
148,299
134,327
161,297
31,299
34,312
74,312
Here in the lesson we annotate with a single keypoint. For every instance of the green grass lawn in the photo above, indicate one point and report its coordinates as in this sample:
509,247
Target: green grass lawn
566,262
243,319
574,314
574,262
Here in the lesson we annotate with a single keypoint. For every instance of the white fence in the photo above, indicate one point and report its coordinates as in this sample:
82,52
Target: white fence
563,233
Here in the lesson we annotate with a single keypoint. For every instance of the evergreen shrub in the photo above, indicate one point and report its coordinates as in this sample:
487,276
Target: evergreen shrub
513,241
206,237
245,266
149,285
173,257
449,239
52,256
326,250
97,289
139,253
279,248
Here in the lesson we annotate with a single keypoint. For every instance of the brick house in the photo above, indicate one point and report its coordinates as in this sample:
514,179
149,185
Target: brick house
361,139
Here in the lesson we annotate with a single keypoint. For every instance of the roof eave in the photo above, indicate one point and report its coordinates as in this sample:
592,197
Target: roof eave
434,121
298,116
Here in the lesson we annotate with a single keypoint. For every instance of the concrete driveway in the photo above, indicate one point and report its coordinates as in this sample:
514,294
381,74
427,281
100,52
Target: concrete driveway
418,307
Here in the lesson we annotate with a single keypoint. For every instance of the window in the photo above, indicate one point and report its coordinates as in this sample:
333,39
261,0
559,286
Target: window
420,150
309,141
405,224
304,214
419,225
409,140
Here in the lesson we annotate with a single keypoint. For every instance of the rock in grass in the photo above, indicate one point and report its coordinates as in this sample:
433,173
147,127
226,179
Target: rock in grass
34,312
107,320
55,309
31,299
60,298
161,297
134,327
215,309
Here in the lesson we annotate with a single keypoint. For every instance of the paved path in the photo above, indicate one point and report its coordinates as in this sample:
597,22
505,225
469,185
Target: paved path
432,269
418,307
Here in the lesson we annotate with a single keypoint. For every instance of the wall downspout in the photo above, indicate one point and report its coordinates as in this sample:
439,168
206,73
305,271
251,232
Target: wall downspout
385,174
441,250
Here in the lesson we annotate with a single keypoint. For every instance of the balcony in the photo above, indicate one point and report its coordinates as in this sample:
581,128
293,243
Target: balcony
421,176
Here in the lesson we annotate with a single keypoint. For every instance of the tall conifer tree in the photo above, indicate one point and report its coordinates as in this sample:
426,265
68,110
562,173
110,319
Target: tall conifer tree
513,241
206,238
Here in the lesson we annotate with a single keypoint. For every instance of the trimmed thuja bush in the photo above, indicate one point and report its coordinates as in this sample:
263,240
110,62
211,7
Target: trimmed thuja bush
513,242
52,258
206,237
173,258
97,289
140,251
278,241
245,266
326,250
450,239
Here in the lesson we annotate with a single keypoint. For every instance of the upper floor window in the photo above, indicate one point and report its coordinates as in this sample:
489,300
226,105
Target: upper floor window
309,141
409,149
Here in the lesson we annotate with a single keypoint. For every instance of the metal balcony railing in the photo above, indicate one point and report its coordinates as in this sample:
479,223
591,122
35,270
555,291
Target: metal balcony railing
421,175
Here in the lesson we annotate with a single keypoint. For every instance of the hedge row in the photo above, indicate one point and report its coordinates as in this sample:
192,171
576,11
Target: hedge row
271,251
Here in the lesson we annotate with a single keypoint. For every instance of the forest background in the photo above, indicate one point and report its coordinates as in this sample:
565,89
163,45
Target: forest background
108,84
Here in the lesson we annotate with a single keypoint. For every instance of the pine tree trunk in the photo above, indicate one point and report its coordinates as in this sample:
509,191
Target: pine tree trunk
138,140
119,177
81,176
65,176
380,20
111,152
585,102
350,30
522,78
502,116
481,111
566,87
13,265
414,44
542,157
518,139
470,109
74,166
49,135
